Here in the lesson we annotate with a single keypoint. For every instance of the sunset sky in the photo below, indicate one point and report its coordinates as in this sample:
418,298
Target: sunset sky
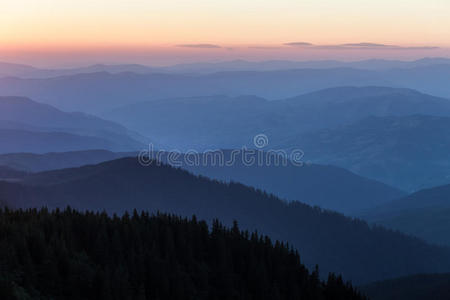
65,32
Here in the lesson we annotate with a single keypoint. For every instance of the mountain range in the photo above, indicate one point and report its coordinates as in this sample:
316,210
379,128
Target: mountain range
324,125
32,162
425,214
396,136
28,126
409,152
100,91
203,123
26,71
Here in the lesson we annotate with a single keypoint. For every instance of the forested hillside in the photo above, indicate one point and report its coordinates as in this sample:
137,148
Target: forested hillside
337,243
72,255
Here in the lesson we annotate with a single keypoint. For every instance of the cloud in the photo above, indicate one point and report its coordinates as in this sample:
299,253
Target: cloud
359,46
382,46
366,45
299,44
207,46
265,47
421,48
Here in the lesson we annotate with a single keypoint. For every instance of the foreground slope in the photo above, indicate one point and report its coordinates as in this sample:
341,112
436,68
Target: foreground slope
336,243
93,256
417,287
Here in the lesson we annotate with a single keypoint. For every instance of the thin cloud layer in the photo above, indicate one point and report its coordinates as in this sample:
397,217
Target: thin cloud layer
265,47
350,46
207,46
367,45
299,44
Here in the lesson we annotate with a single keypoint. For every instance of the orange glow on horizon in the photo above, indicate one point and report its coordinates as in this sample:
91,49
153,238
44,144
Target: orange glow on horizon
61,27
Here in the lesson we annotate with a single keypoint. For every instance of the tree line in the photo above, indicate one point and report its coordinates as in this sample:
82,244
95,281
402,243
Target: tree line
68,254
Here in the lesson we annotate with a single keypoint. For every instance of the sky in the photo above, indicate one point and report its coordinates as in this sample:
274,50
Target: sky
76,32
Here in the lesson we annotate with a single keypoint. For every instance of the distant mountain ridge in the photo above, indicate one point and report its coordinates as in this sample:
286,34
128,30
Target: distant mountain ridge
231,122
101,91
32,162
26,71
13,141
410,152
8,173
100,88
425,214
28,126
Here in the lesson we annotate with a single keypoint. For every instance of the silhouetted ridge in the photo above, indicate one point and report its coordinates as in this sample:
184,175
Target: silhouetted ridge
345,192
